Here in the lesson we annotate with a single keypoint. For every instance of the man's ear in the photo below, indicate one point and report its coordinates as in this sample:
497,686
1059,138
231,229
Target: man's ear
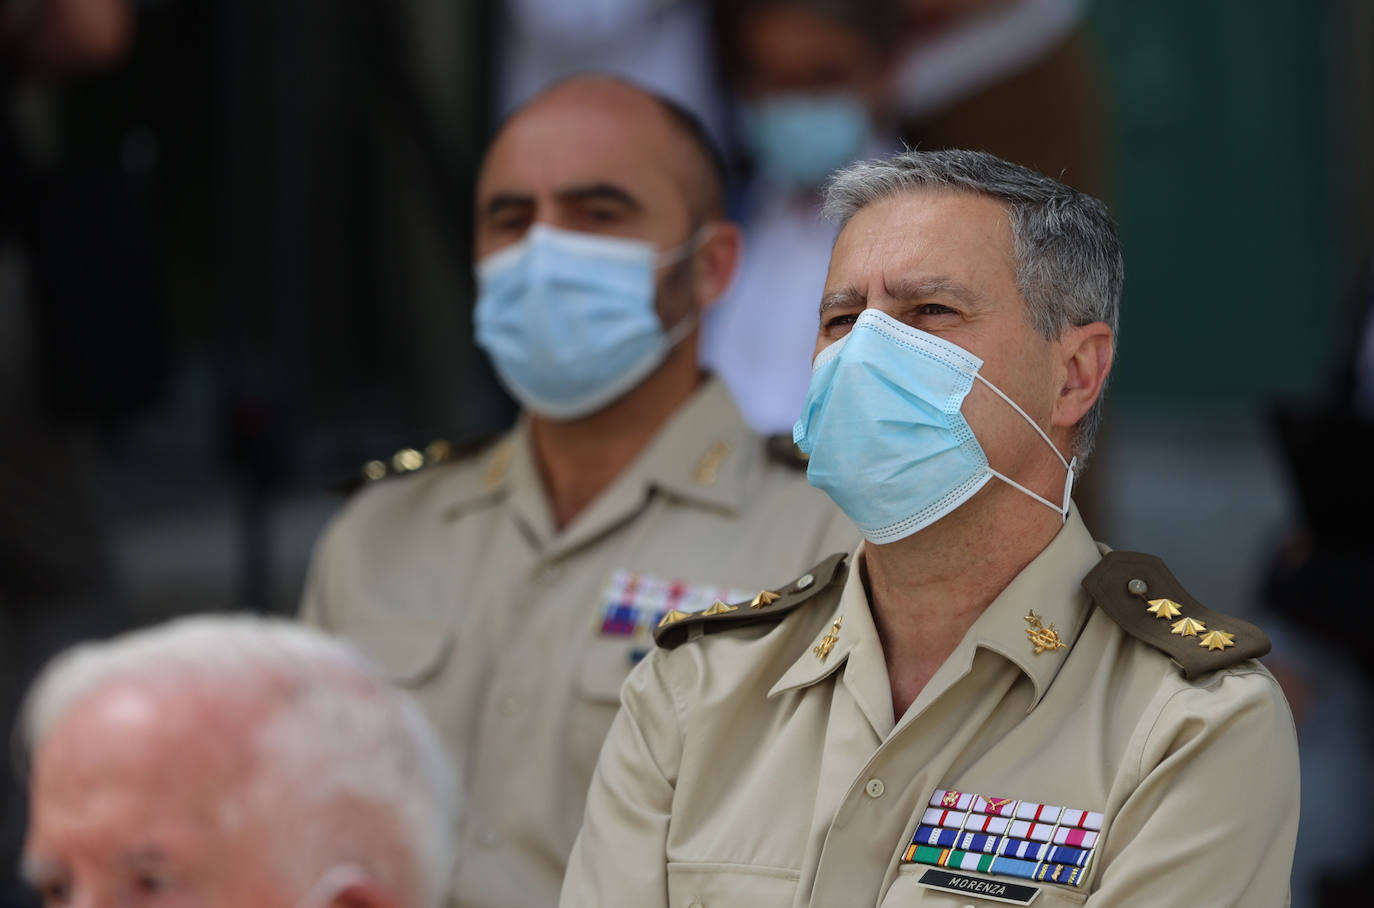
1085,359
363,894
716,261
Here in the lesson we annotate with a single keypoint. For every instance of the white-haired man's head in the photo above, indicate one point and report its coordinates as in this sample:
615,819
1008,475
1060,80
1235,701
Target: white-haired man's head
233,760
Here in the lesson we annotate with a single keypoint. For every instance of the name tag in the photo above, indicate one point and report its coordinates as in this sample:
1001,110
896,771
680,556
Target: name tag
996,890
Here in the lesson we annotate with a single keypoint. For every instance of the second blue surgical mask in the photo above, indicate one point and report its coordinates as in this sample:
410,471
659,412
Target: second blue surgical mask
800,139
883,426
569,320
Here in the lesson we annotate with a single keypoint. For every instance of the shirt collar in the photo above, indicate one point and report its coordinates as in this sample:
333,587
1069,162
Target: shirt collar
704,454
1049,586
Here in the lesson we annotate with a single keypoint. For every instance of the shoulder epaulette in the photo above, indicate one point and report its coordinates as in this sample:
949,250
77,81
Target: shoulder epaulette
1141,595
769,605
411,460
782,449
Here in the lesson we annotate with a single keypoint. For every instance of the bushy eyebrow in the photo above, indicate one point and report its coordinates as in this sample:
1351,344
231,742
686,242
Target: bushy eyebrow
592,192
911,289
506,200
905,289
845,298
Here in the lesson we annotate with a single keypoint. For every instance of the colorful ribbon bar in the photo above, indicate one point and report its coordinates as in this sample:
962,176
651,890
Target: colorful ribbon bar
968,831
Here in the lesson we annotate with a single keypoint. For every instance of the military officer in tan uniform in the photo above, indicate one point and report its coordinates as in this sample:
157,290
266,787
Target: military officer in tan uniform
513,590
980,706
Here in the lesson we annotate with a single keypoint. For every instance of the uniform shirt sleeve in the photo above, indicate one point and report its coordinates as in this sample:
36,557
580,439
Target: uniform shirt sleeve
620,857
1213,818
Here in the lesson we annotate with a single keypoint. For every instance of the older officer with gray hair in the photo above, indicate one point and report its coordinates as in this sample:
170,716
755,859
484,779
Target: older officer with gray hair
232,761
980,705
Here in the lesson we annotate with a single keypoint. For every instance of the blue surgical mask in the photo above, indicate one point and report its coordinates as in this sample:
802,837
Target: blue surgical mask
801,139
569,320
884,431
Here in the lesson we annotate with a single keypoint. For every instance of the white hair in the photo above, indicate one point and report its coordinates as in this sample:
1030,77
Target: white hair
335,737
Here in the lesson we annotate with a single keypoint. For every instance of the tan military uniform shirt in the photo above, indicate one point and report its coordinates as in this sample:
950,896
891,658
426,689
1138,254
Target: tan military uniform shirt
747,770
457,581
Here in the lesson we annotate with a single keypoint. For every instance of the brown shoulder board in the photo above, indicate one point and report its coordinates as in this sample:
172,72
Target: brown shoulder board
1142,596
411,460
768,605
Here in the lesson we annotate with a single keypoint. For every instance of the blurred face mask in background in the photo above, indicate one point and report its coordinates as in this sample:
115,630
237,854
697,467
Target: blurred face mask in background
568,318
800,139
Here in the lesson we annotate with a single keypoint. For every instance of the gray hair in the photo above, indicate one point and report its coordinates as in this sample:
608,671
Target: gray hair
1068,255
335,735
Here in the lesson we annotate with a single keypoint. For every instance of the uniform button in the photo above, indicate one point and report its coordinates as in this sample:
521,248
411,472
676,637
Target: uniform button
875,788
804,581
696,905
489,838
512,705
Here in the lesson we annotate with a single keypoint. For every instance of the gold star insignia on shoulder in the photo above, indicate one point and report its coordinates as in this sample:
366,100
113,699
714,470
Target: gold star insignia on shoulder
1188,627
1215,640
1041,637
765,597
720,608
822,649
1164,608
673,616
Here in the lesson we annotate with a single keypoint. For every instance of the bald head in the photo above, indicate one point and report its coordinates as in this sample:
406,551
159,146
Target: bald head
598,154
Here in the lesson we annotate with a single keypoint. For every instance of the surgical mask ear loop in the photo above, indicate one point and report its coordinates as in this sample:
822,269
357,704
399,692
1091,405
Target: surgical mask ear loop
680,253
687,248
1063,508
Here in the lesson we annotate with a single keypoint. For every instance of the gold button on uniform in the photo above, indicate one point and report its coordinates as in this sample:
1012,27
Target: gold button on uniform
875,788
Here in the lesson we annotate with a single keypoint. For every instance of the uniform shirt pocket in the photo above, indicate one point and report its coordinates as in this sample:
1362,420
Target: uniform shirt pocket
719,885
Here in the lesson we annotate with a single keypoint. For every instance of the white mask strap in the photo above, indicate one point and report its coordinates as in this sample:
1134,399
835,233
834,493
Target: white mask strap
688,248
1061,509
1015,406
678,333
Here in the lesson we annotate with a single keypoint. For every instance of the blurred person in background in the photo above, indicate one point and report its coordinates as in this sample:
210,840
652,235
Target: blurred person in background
513,589
664,45
232,761
1013,77
1328,557
73,293
811,78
